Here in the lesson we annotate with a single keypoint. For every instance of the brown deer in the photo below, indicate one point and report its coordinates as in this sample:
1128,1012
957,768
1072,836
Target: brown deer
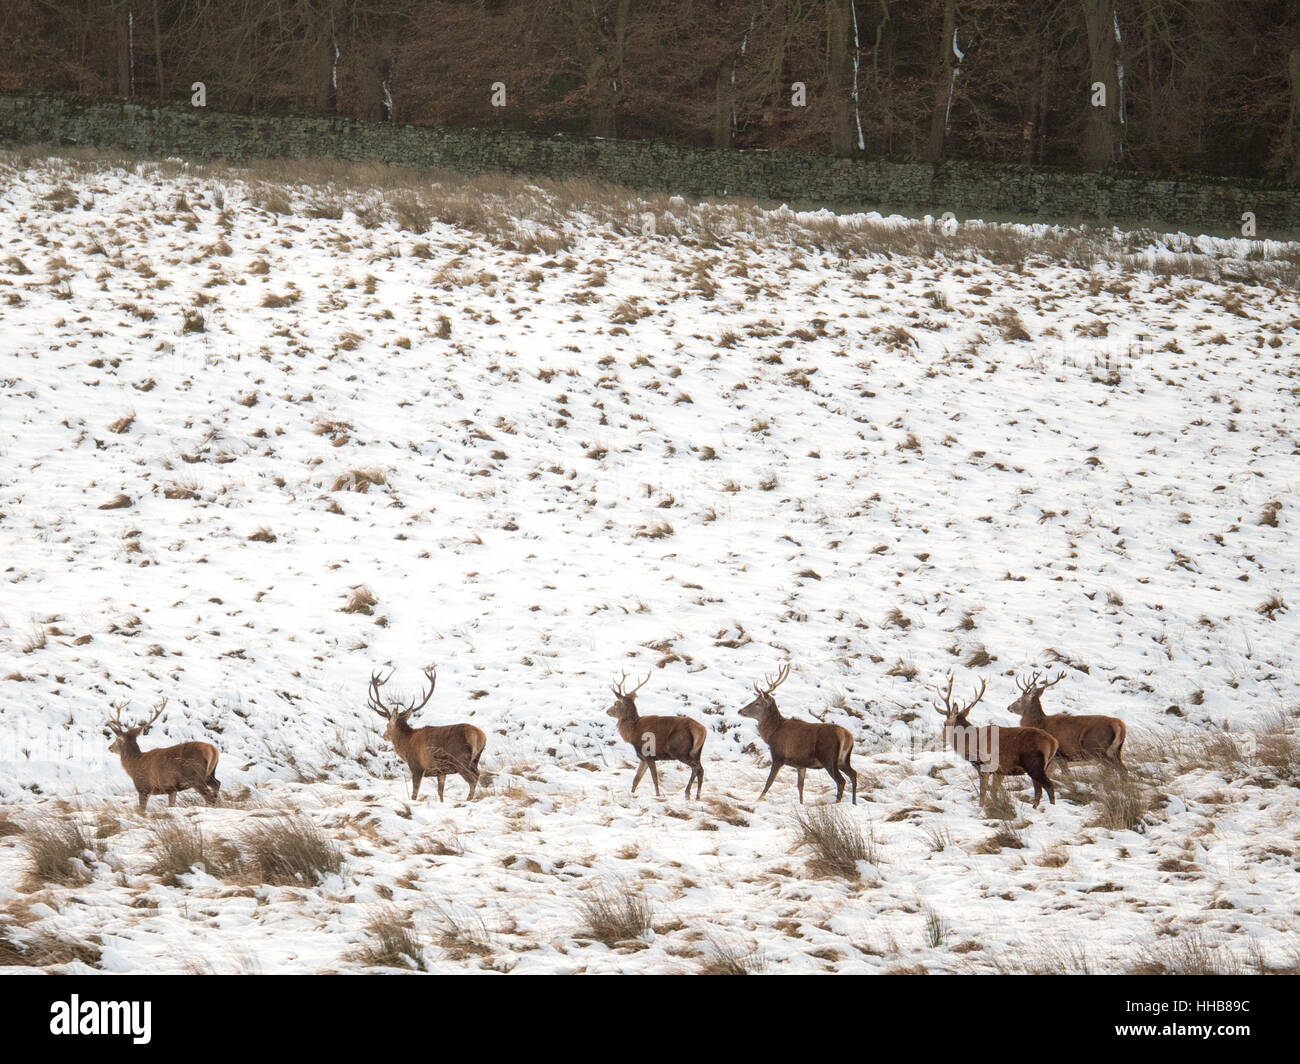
1085,738
658,738
433,751
801,743
168,769
997,751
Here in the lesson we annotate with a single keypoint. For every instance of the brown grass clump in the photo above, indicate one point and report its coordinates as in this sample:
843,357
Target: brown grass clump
291,851
59,851
359,480
836,841
392,943
362,600
613,916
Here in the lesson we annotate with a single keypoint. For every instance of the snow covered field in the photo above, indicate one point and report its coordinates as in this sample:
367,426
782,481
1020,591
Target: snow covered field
344,433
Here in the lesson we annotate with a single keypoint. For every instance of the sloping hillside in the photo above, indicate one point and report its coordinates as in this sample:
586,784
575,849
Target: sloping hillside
261,437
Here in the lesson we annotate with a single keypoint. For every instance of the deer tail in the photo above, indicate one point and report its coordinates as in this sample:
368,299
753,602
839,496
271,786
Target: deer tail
1117,742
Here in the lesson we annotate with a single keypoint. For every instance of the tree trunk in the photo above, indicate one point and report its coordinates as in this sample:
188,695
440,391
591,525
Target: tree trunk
942,85
158,53
1102,135
724,104
121,13
1293,123
839,32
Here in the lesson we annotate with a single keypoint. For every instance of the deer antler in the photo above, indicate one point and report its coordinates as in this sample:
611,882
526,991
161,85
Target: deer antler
619,692
962,709
1037,683
156,714
373,697
118,727
781,673
946,709
432,673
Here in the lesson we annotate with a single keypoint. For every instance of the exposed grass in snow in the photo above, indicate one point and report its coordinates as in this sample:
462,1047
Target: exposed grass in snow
290,850
614,914
58,850
346,417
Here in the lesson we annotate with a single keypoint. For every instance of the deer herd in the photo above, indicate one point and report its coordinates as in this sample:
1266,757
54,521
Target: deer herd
455,749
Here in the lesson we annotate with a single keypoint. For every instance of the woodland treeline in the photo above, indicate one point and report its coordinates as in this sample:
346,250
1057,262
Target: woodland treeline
1209,86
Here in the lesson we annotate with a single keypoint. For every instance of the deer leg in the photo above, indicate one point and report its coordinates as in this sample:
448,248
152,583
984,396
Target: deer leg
144,800
416,776
442,782
699,780
838,780
639,773
689,780
776,767
984,782
654,777
853,776
470,777
801,772
171,799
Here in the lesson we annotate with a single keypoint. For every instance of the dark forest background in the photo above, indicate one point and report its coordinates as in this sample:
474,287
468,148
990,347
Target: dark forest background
1208,86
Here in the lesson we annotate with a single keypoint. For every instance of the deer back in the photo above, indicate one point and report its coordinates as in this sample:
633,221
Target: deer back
1017,744
667,738
1086,736
438,746
1011,746
172,767
804,744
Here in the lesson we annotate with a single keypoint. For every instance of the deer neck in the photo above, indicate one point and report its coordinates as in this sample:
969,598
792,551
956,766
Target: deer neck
1033,715
403,733
970,741
130,753
768,724
628,725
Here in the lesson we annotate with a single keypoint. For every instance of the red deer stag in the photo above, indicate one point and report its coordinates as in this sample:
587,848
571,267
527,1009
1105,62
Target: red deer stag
801,743
1084,738
997,751
168,769
658,738
434,751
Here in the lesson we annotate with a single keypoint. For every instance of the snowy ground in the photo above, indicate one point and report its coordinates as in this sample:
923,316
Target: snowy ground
695,456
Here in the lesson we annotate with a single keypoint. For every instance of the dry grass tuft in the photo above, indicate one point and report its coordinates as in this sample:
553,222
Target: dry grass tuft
614,915
178,848
727,959
59,851
836,841
1122,803
41,949
393,943
362,600
462,935
291,851
359,480
1189,954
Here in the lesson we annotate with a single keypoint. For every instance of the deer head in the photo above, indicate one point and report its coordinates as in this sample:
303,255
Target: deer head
398,713
1031,692
765,703
126,737
957,714
625,700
